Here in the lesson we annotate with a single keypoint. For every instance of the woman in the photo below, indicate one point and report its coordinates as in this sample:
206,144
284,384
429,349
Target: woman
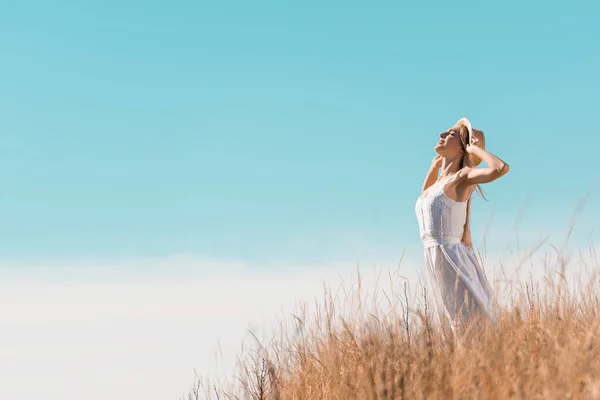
443,210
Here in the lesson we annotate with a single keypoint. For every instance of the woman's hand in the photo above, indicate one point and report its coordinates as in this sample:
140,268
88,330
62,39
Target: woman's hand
437,162
471,146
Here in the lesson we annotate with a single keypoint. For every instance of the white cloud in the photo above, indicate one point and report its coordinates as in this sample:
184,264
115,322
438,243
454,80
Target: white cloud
138,328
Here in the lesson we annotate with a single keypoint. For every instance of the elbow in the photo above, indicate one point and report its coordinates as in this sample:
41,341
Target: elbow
503,170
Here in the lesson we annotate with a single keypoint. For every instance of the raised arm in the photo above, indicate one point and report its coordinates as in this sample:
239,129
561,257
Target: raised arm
432,174
495,169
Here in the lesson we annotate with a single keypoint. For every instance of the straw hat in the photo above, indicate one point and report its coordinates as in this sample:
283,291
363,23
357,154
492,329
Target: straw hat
477,134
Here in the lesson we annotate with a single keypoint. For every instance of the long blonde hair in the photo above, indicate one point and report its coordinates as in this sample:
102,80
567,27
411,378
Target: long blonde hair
467,162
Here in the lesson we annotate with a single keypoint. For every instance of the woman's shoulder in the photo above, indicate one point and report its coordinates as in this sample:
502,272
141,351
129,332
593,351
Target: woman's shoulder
461,178
463,172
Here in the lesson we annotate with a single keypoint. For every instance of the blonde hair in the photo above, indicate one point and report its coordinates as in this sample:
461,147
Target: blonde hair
468,162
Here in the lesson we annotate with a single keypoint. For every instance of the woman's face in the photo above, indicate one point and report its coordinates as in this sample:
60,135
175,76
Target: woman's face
449,144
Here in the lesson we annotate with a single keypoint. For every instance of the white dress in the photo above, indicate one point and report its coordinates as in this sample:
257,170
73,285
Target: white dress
460,286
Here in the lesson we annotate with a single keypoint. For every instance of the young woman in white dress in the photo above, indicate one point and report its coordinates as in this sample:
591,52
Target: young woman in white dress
460,287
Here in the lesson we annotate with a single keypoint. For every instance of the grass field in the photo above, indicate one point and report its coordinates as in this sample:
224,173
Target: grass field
386,344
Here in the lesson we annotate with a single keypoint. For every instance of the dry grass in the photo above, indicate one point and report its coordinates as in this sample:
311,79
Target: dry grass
546,345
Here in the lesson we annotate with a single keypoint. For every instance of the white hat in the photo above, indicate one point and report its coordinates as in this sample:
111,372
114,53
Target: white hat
473,133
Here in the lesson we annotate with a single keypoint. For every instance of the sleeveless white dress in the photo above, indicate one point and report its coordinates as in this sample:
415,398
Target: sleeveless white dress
459,284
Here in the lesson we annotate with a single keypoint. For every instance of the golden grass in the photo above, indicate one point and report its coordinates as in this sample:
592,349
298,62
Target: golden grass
546,345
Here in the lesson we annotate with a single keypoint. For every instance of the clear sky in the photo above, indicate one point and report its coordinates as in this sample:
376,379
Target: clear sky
262,134
266,131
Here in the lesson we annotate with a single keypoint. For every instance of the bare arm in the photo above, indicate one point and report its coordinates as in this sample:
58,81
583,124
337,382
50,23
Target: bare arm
432,174
495,169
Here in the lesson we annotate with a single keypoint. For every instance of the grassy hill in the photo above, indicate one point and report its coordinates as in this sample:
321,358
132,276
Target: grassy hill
387,345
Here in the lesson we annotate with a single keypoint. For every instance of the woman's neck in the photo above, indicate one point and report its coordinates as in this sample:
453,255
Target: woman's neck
450,166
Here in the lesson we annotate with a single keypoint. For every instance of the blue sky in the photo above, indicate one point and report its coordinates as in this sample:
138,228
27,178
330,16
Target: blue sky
267,131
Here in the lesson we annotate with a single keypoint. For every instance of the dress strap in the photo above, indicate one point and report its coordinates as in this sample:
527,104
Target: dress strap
448,179
456,174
